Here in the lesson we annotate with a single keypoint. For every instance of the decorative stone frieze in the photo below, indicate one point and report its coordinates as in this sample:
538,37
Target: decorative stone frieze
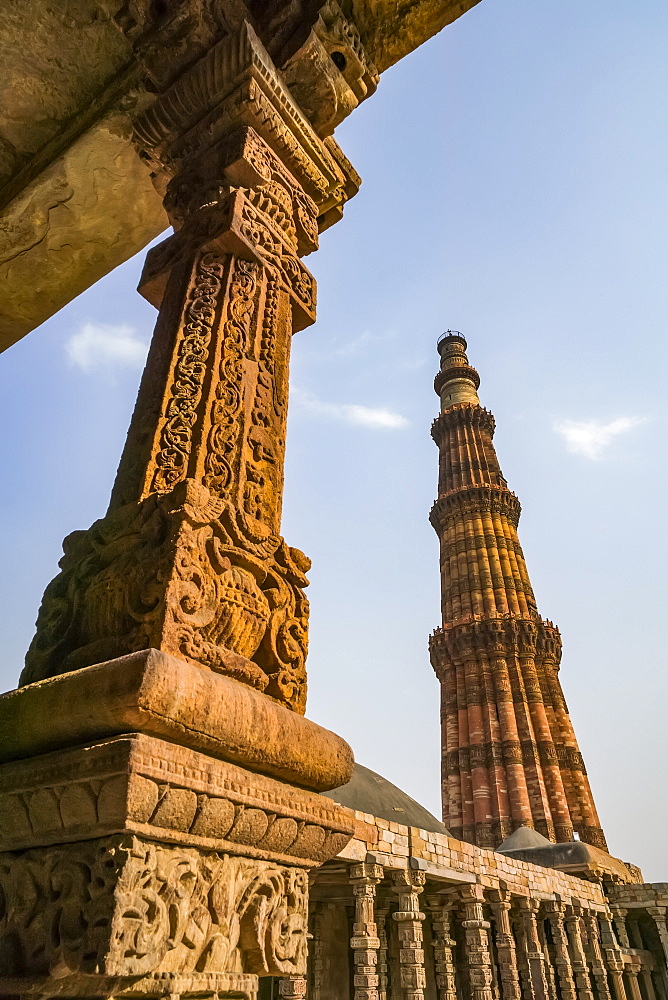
151,788
124,907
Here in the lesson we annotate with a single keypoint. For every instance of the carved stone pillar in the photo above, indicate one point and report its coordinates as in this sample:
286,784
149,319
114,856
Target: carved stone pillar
612,956
500,902
189,559
598,969
580,967
440,912
555,912
365,942
648,983
408,885
534,951
478,955
659,915
175,858
634,987
619,918
382,912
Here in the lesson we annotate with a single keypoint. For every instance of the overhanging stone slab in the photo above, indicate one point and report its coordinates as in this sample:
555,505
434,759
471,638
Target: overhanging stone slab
157,694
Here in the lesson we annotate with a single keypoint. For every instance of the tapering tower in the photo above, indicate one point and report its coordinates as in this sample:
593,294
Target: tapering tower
510,757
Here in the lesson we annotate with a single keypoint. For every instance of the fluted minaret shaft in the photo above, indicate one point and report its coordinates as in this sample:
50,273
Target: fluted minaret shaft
510,757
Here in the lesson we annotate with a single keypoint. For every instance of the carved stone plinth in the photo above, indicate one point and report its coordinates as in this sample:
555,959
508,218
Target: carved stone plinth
132,863
147,787
98,917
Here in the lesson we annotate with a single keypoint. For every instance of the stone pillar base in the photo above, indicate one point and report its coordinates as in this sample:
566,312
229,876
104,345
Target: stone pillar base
133,866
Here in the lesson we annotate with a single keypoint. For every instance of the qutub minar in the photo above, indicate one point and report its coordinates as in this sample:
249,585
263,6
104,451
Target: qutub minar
510,756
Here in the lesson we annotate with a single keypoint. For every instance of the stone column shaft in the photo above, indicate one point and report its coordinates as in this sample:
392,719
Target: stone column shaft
534,950
555,912
597,961
408,885
580,967
478,955
612,956
382,912
440,911
500,903
365,942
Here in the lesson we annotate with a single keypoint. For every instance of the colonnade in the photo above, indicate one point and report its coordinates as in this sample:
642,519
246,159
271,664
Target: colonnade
401,935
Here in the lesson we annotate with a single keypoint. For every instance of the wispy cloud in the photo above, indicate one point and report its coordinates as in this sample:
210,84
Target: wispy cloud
105,346
591,438
379,418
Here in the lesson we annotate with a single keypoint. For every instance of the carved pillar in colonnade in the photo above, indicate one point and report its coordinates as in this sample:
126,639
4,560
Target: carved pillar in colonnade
365,942
440,910
580,967
534,953
477,950
382,912
555,910
659,914
500,902
613,956
174,858
408,885
598,968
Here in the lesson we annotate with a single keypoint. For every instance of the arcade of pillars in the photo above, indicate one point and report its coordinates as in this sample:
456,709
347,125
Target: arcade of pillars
476,926
510,756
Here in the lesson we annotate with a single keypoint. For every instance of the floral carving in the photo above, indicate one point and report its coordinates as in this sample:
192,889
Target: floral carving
171,461
186,573
125,907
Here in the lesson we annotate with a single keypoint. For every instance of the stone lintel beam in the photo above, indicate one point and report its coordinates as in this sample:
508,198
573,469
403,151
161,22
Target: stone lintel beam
68,166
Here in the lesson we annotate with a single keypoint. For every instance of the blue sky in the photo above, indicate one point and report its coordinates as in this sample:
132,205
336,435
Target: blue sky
514,188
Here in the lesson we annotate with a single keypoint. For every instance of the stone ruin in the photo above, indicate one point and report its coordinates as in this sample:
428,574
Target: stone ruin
171,825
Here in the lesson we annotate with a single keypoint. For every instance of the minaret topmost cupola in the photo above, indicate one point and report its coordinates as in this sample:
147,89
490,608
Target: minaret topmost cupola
457,381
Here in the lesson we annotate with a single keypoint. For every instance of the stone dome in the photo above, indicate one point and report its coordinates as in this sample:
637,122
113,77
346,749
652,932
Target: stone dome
371,793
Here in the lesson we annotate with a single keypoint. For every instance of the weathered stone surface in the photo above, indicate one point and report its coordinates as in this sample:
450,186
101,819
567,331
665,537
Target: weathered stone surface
71,225
170,793
189,558
94,918
154,693
74,72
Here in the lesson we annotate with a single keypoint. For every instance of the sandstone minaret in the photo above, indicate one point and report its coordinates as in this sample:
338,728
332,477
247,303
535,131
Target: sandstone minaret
510,757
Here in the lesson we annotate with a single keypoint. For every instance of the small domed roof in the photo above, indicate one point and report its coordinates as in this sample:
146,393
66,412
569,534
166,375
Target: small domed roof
371,793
